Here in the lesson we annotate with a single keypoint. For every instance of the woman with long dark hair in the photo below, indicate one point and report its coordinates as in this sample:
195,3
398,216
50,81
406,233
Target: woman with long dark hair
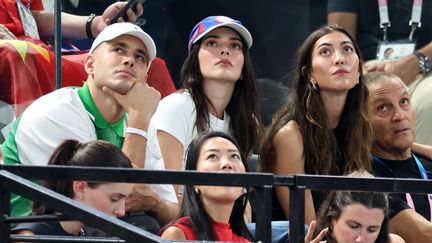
324,129
355,217
219,93
213,213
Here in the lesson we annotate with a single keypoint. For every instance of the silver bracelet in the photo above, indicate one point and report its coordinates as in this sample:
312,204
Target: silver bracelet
137,131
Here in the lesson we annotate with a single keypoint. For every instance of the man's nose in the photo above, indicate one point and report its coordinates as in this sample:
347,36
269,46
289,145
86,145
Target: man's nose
128,61
399,114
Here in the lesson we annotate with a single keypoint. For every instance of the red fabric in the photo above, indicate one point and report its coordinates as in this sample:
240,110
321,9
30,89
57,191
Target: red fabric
9,15
223,231
158,75
26,74
160,78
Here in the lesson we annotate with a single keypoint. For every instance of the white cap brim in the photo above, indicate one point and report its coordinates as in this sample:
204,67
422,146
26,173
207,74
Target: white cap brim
115,30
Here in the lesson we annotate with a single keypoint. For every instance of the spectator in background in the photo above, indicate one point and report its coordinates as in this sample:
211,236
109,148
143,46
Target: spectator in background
355,217
324,128
393,121
28,63
106,197
115,88
212,213
220,93
159,76
362,20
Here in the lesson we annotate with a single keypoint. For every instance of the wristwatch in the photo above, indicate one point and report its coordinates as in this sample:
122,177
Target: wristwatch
424,63
89,25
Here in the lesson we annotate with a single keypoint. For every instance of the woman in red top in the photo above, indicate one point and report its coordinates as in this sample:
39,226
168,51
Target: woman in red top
212,212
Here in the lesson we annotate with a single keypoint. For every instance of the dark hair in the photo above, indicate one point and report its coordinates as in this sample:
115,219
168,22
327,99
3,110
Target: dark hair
322,147
243,108
96,153
192,206
335,203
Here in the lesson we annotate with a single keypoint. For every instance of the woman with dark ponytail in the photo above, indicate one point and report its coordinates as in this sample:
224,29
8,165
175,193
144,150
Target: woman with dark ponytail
106,197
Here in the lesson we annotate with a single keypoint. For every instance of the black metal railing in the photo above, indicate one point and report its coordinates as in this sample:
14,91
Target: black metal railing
316,182
12,180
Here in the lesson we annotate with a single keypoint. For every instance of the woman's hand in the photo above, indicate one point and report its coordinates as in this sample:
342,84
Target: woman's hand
309,235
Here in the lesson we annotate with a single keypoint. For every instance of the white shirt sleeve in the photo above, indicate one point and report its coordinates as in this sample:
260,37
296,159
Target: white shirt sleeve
49,121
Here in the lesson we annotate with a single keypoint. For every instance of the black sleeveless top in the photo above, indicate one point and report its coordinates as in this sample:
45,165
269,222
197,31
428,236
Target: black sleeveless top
318,196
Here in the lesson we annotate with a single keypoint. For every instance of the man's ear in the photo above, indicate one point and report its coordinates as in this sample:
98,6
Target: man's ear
89,64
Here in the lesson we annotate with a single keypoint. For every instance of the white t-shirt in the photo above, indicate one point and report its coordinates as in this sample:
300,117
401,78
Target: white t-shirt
176,115
50,120
55,117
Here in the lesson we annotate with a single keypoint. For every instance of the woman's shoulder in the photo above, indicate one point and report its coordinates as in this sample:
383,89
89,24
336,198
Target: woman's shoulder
40,228
288,143
289,133
178,101
181,229
173,232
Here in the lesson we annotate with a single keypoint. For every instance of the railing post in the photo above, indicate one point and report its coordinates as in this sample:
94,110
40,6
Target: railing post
57,43
263,210
296,211
4,211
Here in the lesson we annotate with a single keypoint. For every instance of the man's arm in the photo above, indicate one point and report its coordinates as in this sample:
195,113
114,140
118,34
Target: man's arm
422,149
407,68
74,27
144,199
411,226
140,104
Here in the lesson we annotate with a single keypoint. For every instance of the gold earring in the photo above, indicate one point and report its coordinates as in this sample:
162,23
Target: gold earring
315,86
197,191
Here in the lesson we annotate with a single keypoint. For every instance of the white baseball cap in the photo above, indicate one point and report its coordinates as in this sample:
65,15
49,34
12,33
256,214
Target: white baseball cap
115,30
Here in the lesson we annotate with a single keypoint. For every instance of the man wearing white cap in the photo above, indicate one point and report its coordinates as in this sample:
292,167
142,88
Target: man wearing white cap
114,104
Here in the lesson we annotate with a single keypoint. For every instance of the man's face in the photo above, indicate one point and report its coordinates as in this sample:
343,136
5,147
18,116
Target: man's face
119,63
392,116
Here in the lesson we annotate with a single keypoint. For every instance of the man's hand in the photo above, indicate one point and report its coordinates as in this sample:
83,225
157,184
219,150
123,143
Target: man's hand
406,68
103,21
140,103
144,199
5,33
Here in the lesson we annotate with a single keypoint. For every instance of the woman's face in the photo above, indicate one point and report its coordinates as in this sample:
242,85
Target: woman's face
108,198
221,55
335,64
219,155
358,223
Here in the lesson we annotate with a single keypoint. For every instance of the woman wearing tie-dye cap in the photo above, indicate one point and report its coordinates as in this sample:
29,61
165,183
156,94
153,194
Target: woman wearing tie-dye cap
219,93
